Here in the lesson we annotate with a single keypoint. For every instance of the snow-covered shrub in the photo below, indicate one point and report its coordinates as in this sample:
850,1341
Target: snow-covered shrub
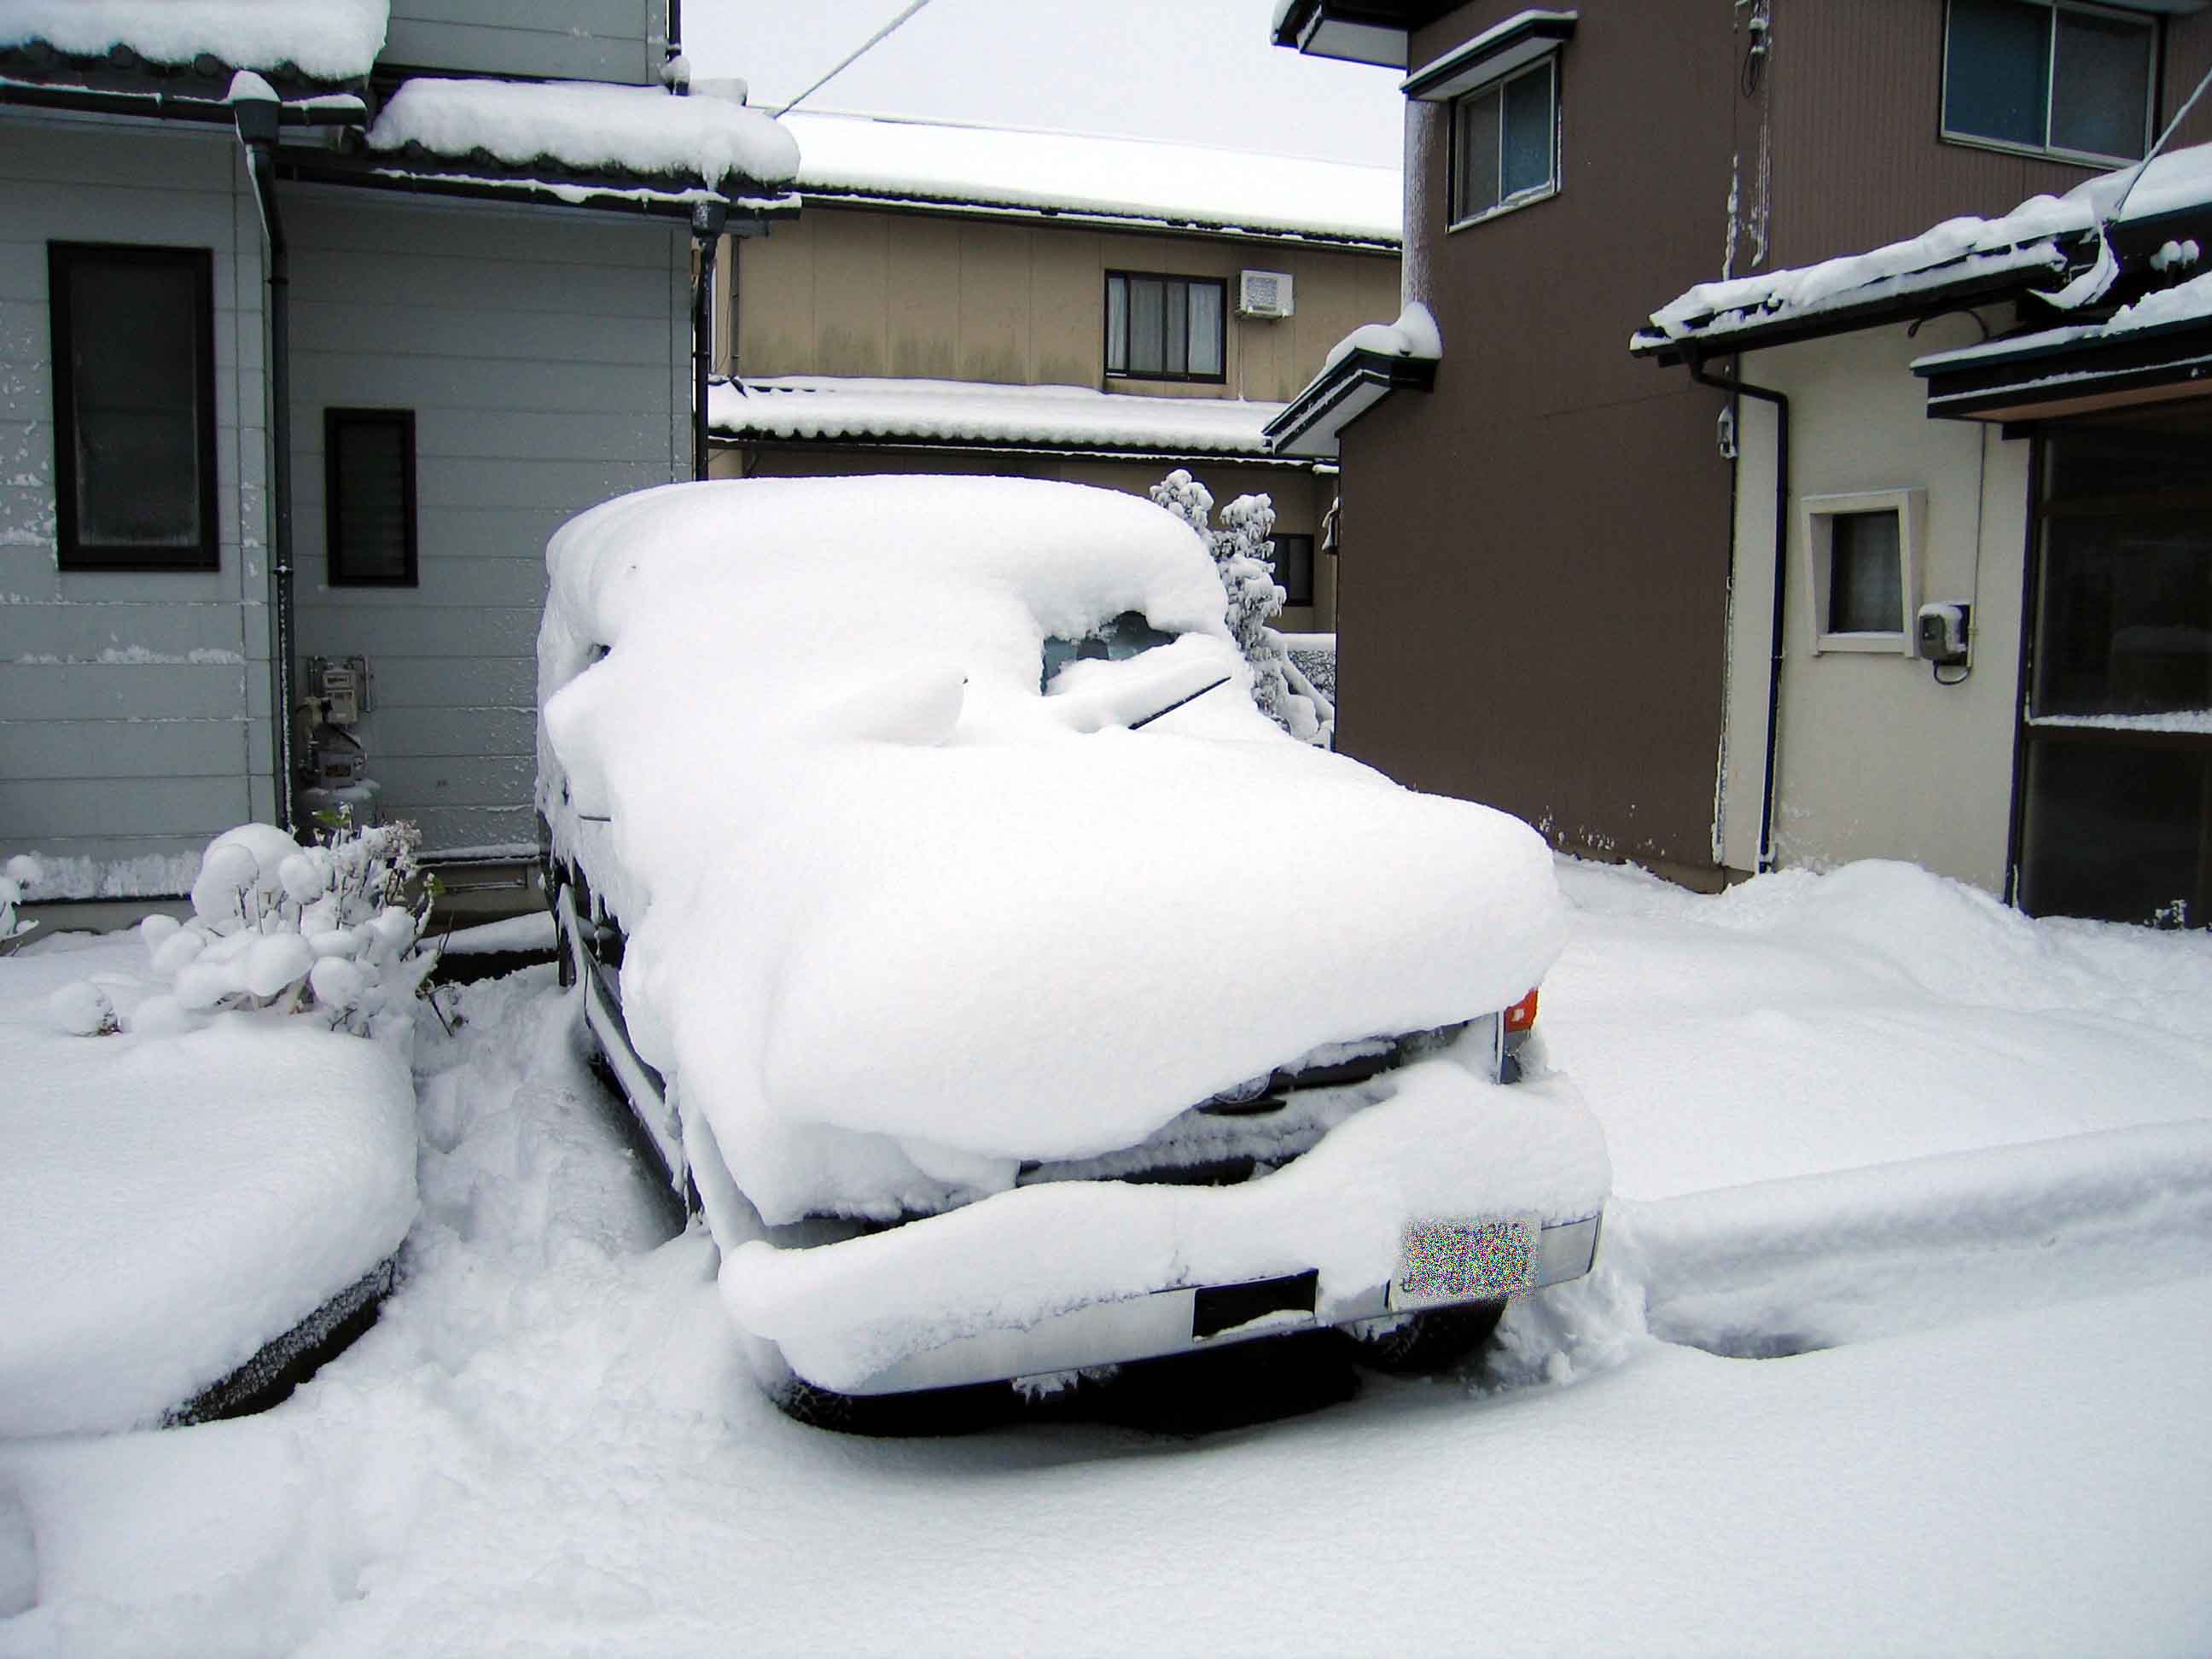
1189,500
15,880
327,927
1244,554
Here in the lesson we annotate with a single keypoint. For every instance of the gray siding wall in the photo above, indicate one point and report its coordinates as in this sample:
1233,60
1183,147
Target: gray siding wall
133,706
576,39
547,359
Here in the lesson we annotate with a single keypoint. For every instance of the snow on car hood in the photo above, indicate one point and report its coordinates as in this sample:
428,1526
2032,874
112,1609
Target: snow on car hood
896,920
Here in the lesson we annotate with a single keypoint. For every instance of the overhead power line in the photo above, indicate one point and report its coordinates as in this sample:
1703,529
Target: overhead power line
853,57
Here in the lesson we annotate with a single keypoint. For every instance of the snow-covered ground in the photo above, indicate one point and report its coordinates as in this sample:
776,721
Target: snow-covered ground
1868,1109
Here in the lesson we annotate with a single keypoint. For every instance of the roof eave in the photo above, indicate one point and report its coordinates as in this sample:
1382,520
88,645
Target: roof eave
729,437
891,202
1308,427
1796,327
750,203
2042,381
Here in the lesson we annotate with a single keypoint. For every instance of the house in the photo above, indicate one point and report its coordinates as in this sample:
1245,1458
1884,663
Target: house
316,321
1991,569
1566,599
1048,305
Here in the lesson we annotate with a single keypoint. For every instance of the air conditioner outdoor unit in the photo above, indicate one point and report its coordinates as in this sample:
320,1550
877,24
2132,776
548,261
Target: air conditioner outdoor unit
1263,294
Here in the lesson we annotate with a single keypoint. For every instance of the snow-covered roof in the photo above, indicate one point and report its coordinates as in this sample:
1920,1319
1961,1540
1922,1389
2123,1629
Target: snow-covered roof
2035,236
636,130
1078,175
329,40
802,406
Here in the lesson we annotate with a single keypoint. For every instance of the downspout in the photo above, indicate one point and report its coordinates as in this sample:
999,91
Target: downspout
708,221
255,108
1737,387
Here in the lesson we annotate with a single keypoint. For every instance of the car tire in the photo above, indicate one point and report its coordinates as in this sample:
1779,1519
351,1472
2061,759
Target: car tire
563,946
1429,1341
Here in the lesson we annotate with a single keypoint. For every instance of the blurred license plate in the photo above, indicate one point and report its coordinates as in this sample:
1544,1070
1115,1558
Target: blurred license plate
1441,1261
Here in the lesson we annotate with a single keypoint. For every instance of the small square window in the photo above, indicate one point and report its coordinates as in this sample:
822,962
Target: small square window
1862,568
368,471
1165,328
1294,568
1505,143
1866,592
133,340
2049,75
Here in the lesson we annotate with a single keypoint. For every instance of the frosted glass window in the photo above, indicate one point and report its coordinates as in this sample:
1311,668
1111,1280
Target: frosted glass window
1866,581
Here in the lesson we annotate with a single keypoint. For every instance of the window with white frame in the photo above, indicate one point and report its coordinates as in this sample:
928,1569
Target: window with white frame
2050,75
1862,568
1505,142
1165,328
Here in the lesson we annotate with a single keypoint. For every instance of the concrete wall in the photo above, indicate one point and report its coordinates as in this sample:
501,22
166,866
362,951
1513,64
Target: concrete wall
1300,498
1877,760
133,706
547,359
576,39
853,292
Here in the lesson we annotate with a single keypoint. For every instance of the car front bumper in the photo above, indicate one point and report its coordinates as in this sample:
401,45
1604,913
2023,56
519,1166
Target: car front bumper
1183,1321
1456,1189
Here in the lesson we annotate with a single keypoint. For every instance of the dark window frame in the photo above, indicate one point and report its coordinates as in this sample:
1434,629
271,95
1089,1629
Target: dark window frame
1289,597
404,420
2039,729
2152,25
1455,161
1220,285
72,551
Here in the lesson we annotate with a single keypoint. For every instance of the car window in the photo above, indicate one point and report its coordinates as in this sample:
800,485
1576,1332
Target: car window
1128,635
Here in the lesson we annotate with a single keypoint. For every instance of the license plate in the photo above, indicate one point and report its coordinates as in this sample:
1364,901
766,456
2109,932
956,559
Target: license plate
1446,1260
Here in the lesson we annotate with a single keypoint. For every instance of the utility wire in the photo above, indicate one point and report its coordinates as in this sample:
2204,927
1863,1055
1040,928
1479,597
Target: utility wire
2181,116
860,52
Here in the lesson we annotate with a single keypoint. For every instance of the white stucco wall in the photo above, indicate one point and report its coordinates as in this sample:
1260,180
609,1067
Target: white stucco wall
1876,760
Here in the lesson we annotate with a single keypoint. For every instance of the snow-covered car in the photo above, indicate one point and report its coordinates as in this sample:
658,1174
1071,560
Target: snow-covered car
1011,995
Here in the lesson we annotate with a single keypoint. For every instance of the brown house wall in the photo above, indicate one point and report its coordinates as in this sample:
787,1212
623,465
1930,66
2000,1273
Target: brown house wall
1533,612
1857,104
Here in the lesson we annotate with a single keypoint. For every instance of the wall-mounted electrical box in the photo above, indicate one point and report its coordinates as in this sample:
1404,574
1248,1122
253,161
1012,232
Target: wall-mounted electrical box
1942,633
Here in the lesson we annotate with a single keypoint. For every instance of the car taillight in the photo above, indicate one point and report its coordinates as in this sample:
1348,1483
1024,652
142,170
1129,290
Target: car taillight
1522,1016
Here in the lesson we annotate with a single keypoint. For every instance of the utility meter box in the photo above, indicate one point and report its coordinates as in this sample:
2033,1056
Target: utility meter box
339,686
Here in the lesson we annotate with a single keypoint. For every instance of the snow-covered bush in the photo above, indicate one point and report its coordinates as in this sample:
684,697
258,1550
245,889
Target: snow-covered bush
1244,554
327,928
15,880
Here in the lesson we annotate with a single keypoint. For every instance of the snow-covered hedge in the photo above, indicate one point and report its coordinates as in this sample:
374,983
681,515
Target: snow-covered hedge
15,882
328,928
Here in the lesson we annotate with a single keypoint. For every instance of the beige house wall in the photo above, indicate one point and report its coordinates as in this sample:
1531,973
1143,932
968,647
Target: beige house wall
1300,498
1875,759
849,291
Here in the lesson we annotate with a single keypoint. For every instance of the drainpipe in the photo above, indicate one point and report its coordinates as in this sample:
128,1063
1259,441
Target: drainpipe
1737,387
255,108
707,222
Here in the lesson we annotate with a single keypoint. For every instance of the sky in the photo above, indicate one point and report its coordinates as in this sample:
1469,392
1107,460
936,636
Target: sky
1191,71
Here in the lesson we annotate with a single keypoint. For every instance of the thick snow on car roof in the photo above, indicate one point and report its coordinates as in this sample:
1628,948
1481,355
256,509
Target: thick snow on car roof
896,921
